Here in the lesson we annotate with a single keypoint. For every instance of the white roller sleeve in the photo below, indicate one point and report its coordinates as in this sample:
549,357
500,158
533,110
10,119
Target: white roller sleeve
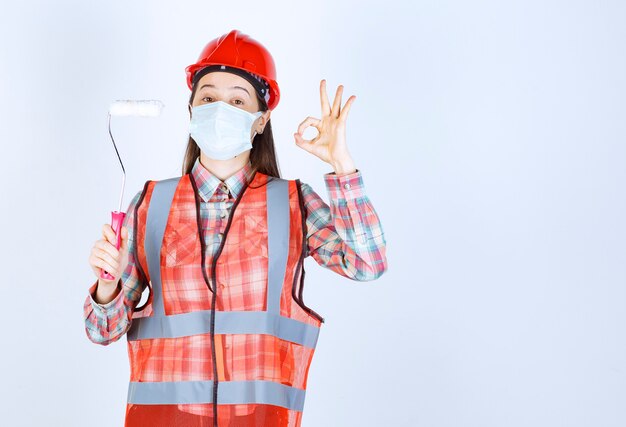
144,108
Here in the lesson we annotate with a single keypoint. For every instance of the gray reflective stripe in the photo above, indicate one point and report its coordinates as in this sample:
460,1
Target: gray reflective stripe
230,322
226,322
156,220
278,240
270,322
230,392
277,229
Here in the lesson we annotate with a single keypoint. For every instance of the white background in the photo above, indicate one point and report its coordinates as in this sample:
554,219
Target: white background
491,138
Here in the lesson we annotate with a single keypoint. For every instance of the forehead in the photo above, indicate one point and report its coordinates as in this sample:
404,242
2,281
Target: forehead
225,81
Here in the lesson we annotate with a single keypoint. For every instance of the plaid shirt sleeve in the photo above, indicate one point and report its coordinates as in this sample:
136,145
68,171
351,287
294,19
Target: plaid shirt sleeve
347,236
106,323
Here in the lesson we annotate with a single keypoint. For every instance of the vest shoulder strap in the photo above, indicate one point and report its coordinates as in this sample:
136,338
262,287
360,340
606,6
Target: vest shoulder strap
156,220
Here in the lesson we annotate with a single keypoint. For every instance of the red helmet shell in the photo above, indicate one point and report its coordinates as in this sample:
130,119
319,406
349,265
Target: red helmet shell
239,50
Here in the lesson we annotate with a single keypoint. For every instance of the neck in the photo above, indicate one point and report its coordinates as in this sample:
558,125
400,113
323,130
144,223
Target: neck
222,169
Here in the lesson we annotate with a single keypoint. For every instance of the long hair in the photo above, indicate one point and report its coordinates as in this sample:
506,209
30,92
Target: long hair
262,154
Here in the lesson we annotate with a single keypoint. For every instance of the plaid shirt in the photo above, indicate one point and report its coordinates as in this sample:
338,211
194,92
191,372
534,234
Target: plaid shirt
346,237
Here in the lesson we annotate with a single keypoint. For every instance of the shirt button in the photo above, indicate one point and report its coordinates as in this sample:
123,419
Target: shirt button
223,214
222,285
220,235
346,186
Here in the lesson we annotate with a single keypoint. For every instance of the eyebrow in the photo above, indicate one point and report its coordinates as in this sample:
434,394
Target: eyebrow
233,87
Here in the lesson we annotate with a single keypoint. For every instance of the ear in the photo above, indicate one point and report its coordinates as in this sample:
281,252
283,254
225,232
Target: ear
265,118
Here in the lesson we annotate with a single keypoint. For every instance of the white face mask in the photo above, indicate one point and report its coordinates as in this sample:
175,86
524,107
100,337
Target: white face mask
222,130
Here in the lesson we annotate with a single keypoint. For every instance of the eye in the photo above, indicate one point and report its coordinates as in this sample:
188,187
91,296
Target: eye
239,101
206,97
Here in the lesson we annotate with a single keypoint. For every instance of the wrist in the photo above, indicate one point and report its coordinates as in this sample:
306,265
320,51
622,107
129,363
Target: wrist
107,291
343,167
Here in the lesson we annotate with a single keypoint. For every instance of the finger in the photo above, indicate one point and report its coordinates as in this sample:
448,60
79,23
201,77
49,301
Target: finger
346,108
108,233
108,247
324,99
309,121
337,102
100,263
304,143
105,256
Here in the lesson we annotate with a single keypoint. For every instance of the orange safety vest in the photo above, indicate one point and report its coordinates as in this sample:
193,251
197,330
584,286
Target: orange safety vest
233,349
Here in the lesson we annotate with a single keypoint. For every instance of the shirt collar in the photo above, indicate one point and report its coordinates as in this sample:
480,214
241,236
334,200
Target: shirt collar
207,183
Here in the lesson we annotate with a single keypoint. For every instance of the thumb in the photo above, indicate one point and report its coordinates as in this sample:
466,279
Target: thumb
124,236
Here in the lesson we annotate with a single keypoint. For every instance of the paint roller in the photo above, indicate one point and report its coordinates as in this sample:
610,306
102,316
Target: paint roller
136,108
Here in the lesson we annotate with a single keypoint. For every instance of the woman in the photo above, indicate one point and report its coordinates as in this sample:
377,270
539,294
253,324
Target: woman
221,250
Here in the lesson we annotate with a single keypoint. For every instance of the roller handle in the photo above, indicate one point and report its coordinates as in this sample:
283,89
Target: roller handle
117,219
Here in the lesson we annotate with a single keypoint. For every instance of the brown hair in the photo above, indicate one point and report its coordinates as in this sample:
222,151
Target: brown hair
262,154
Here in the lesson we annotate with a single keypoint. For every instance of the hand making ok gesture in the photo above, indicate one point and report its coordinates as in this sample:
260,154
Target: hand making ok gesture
330,143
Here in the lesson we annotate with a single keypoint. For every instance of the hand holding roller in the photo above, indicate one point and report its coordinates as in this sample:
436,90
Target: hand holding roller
141,108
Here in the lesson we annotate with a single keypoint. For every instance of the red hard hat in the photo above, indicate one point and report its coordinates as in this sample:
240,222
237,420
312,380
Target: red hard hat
239,50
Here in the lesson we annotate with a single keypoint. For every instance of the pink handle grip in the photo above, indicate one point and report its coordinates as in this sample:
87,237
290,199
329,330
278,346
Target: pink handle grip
117,219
